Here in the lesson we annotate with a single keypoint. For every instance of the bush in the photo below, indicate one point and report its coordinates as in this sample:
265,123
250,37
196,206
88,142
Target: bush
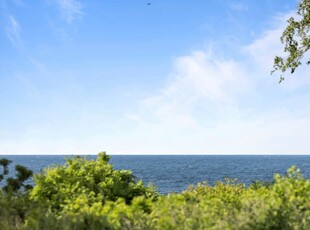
85,182
14,200
92,195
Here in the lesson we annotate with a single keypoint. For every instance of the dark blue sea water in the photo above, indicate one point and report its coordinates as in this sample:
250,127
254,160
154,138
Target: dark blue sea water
174,173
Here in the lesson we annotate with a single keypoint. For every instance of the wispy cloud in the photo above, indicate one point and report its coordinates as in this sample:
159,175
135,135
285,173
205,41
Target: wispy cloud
237,6
19,2
200,80
71,9
263,50
212,104
13,30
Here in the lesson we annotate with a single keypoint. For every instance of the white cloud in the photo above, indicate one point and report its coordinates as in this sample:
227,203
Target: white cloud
71,9
206,106
209,104
237,6
13,32
201,79
204,75
263,50
268,45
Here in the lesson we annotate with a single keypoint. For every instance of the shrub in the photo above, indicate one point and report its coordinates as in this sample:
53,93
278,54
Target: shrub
84,182
92,195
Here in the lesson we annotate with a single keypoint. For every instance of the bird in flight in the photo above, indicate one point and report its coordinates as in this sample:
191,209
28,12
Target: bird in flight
148,4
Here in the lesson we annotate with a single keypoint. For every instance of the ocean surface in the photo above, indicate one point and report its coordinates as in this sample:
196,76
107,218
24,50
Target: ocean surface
174,173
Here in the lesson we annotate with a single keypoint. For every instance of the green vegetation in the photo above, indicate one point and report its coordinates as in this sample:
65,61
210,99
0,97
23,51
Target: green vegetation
296,40
90,194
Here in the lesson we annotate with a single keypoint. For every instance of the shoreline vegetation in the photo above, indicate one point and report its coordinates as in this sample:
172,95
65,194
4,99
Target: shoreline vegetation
91,194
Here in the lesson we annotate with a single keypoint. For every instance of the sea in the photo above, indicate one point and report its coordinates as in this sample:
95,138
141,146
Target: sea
174,173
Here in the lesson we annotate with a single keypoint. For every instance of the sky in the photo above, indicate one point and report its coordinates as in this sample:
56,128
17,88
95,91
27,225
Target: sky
169,77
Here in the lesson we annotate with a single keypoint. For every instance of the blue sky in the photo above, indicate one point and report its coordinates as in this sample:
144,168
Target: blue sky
172,77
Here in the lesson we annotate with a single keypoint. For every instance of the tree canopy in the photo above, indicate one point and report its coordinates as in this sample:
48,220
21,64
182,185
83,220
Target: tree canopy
296,40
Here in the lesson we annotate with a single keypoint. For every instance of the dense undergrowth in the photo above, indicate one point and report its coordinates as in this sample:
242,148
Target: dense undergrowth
90,194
